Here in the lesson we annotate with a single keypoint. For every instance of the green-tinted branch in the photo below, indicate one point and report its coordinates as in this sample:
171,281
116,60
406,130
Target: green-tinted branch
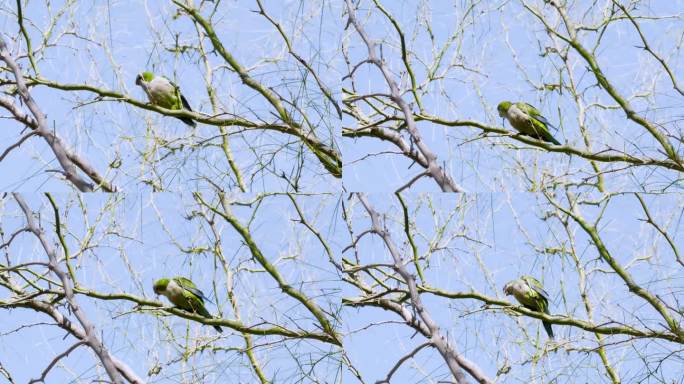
328,156
58,230
270,268
326,91
404,53
555,319
371,130
409,236
622,272
22,28
236,325
601,78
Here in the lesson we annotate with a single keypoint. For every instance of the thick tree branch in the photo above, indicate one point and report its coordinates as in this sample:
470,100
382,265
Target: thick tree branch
89,334
592,232
286,288
63,155
444,180
455,361
328,155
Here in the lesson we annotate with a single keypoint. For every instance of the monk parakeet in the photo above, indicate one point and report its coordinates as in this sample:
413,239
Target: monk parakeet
527,120
164,93
184,294
531,294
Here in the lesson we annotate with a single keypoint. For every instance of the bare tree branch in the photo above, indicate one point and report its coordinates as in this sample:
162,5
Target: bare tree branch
445,182
88,333
454,360
62,154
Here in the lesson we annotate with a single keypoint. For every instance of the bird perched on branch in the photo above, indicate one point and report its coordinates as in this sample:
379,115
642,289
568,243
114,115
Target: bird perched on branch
531,294
164,93
527,120
184,294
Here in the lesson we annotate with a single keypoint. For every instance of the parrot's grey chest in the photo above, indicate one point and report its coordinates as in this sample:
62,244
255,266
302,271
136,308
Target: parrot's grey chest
520,291
173,290
158,89
515,115
160,85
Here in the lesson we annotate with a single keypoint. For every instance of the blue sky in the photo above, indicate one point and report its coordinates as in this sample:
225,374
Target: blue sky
491,239
499,239
150,230
499,56
107,43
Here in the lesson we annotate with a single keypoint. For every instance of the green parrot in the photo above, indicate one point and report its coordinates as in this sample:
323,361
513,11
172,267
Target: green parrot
531,294
164,93
527,120
184,294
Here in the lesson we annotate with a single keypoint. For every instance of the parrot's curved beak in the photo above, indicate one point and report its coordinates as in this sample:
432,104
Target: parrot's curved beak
138,80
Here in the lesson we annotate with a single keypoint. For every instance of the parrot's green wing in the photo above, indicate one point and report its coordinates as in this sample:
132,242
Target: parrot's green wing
195,298
536,286
529,109
541,299
541,125
189,286
182,103
184,282
534,112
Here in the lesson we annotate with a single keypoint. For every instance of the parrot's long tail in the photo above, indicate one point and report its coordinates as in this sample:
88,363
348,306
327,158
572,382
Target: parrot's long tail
549,330
187,121
550,139
203,311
